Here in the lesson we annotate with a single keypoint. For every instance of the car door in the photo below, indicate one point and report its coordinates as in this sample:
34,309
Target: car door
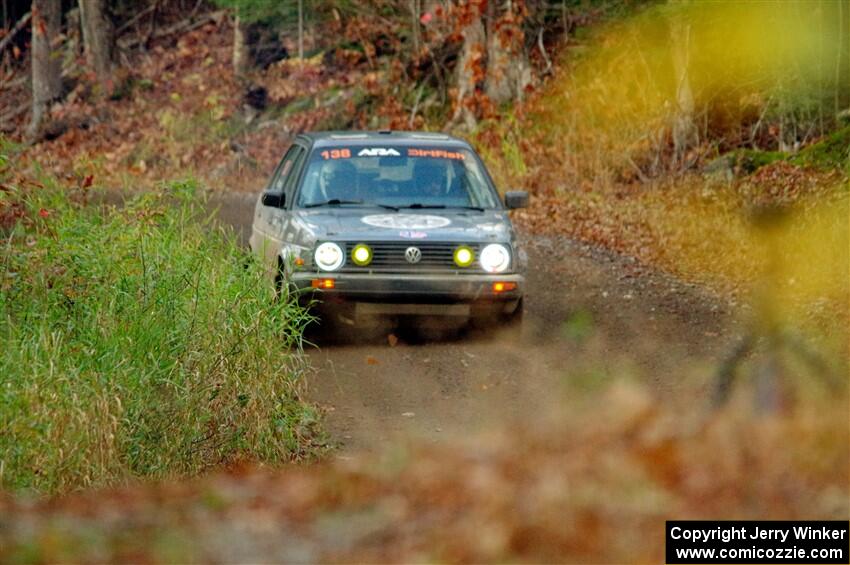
267,230
284,220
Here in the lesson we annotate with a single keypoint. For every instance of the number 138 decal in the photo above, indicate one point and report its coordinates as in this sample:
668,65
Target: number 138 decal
336,154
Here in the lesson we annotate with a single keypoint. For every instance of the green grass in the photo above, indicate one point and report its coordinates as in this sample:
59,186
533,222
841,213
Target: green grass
139,342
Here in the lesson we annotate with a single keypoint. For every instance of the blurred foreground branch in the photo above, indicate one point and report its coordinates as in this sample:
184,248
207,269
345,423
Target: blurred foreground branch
768,329
22,23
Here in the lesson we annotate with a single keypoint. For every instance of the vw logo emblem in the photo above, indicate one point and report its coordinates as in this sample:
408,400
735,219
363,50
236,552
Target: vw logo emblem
413,255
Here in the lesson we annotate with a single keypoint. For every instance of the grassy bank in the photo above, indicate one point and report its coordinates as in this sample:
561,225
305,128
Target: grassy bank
136,343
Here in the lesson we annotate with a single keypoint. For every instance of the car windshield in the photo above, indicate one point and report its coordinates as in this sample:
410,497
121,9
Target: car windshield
396,177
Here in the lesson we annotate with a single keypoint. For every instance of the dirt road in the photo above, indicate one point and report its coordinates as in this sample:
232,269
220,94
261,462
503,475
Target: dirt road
590,317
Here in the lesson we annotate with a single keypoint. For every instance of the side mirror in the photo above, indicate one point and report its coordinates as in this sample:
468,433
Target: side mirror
274,199
516,199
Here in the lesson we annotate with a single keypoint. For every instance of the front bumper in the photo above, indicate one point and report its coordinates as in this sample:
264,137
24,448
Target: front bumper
411,288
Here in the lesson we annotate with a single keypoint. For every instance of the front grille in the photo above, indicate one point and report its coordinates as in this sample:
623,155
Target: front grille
389,256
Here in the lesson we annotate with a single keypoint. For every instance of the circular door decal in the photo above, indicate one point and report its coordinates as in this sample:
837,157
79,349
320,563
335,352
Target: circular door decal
406,221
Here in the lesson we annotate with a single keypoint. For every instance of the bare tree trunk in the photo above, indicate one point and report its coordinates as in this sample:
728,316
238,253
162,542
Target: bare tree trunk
99,41
842,64
46,60
73,35
301,29
508,70
415,10
241,54
821,76
468,72
685,134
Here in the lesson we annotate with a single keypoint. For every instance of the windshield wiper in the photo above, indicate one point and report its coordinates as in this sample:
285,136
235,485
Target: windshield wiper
386,206
419,206
332,202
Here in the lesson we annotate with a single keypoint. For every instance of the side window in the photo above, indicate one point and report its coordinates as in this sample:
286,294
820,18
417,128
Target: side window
289,183
284,168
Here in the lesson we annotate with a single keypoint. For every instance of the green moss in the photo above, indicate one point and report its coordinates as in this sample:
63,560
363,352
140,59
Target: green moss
831,152
750,160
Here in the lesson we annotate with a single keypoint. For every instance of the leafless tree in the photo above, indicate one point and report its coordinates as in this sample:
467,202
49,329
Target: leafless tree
471,56
46,60
98,38
241,53
685,133
508,70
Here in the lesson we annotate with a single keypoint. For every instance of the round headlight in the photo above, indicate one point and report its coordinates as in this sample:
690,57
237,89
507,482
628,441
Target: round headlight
495,258
361,255
464,256
329,256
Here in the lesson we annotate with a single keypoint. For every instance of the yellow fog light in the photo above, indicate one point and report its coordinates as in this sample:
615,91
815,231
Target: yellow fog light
464,256
361,255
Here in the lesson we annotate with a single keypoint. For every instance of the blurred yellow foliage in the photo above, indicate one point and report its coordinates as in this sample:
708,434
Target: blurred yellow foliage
729,67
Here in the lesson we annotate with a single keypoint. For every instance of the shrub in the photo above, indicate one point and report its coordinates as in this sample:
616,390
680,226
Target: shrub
137,343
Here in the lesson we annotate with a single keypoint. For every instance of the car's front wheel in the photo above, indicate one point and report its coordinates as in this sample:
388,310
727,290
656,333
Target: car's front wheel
490,322
514,319
283,287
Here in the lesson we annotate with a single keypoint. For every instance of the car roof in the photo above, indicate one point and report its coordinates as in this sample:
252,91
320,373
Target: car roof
383,137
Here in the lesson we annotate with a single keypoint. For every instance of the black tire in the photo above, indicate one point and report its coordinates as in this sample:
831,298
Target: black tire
283,289
511,324
514,319
494,324
327,326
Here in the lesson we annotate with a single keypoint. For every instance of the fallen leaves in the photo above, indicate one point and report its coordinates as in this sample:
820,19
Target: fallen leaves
595,485
126,135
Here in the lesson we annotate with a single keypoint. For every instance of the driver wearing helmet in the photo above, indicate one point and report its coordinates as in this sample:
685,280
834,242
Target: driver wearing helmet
431,177
338,180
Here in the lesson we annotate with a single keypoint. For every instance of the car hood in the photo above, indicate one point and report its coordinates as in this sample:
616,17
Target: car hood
370,224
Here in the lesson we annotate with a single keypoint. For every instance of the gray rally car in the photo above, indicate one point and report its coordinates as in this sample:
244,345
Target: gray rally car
391,223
